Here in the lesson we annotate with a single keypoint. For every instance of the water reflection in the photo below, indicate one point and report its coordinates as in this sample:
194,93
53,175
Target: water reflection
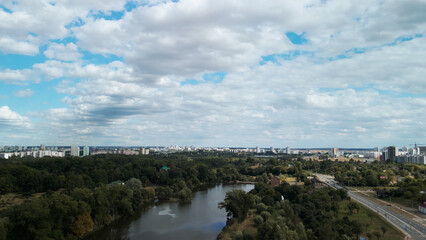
167,212
200,219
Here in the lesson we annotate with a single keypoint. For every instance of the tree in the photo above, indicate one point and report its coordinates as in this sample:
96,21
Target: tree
258,220
383,230
276,229
3,229
134,184
164,192
185,195
82,225
356,228
370,215
29,220
353,206
237,204
101,207
377,234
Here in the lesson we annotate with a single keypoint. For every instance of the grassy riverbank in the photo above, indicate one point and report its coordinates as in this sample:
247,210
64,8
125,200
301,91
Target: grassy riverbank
307,213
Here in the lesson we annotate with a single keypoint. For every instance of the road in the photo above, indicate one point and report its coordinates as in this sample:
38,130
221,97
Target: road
406,225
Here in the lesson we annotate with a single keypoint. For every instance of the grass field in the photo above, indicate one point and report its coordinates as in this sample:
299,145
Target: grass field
404,202
10,199
372,222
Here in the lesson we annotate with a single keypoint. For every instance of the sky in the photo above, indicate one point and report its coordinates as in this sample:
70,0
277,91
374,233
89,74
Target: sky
237,73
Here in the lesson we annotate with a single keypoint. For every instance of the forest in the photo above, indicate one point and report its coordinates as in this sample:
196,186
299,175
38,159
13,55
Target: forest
299,213
388,179
76,196
84,194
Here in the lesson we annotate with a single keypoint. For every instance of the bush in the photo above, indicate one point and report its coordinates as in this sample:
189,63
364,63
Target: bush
237,235
258,220
248,235
265,215
260,207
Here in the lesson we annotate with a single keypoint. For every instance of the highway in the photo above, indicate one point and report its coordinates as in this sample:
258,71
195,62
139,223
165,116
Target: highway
409,227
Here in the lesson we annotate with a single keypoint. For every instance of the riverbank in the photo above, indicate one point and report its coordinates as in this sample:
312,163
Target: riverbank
307,213
119,220
198,219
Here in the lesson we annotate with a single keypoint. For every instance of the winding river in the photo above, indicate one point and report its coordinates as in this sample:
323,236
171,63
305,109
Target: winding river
200,219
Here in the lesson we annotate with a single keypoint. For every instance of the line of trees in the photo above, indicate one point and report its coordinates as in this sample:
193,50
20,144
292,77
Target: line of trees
408,180
306,213
80,198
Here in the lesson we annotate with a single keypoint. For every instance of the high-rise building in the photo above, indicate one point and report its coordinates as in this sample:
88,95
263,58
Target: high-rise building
287,150
75,151
86,151
334,152
392,153
42,147
144,151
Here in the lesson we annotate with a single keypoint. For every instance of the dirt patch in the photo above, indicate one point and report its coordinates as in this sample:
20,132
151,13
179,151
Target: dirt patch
11,199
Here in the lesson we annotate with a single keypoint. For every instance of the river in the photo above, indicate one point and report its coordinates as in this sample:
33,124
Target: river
200,219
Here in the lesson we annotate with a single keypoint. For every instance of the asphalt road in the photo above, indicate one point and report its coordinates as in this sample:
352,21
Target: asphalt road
413,228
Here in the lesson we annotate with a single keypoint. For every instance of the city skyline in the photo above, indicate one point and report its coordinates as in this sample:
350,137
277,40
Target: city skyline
307,73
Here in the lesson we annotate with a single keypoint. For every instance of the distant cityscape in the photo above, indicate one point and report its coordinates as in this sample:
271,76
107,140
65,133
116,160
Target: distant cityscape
415,154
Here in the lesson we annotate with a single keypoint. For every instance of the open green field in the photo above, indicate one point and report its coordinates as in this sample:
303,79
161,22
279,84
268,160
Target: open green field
10,199
404,202
372,222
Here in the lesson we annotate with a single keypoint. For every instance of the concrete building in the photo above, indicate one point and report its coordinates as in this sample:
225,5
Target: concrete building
86,151
371,154
416,159
334,152
6,155
392,153
34,154
144,151
75,151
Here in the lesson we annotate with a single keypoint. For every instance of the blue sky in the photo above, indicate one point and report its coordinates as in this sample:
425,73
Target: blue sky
205,73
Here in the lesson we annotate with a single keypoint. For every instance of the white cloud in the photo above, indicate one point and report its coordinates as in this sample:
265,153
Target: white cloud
33,22
372,94
24,93
15,76
68,52
9,45
9,118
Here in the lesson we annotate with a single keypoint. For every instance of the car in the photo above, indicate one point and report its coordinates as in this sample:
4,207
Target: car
388,204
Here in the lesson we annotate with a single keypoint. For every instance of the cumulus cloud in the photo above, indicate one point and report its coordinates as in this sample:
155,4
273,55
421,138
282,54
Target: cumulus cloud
10,119
27,24
15,76
357,80
65,52
9,45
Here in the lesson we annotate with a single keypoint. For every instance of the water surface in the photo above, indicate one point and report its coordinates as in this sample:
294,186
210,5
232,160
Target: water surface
200,219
